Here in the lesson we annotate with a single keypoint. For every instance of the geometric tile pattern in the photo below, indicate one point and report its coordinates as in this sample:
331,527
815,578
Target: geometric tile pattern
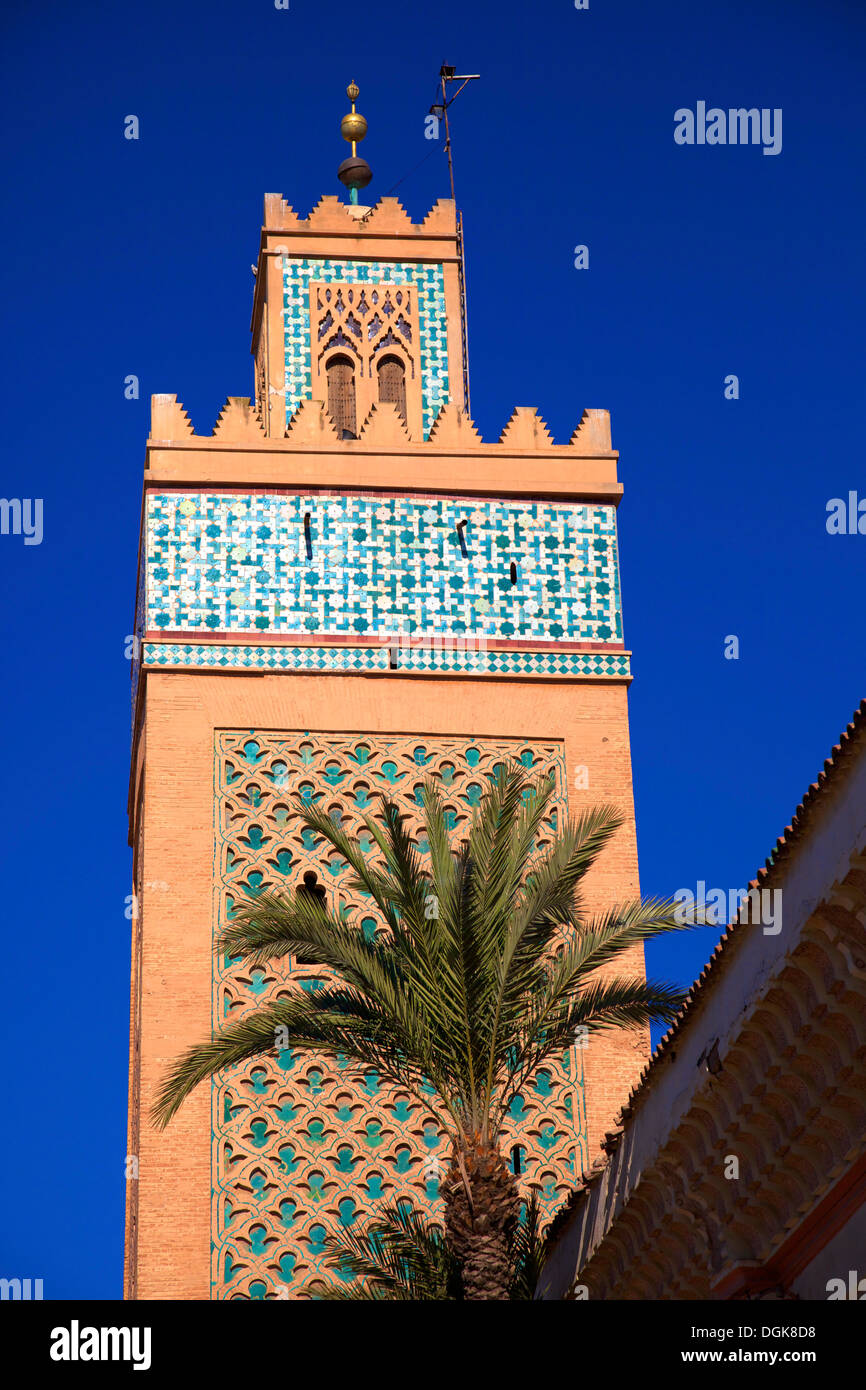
513,663
374,565
302,1144
429,282
266,658
137,654
429,660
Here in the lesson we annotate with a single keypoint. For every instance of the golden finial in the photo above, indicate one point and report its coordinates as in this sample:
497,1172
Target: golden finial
353,173
353,127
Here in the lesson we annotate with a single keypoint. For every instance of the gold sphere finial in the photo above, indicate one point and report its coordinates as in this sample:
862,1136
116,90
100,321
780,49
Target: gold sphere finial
353,127
354,172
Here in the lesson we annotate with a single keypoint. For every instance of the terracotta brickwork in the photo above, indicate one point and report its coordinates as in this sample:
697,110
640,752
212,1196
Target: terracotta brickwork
552,689
185,712
301,1145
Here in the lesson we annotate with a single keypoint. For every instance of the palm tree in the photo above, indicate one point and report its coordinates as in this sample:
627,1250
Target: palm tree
483,968
401,1256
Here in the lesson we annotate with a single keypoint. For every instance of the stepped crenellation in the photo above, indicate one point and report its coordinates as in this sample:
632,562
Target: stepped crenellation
525,432
387,216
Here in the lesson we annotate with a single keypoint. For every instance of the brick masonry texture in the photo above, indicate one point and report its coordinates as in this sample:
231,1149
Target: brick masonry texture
303,1145
339,612
176,881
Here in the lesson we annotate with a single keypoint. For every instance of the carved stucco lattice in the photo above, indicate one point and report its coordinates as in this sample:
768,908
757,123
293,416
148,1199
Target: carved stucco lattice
365,324
364,321
301,1145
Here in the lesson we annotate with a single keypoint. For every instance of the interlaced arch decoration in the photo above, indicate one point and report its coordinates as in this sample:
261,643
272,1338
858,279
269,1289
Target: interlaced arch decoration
371,323
303,1144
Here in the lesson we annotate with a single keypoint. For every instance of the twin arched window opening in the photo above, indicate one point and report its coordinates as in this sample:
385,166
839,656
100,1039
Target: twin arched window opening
341,397
392,383
341,391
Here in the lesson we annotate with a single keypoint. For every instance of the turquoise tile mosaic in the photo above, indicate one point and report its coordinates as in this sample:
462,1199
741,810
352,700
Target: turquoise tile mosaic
274,658
305,1145
506,663
136,653
374,566
268,658
429,282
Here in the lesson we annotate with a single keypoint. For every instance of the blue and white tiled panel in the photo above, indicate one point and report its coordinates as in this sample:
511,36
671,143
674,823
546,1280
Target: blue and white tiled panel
222,657
429,283
376,566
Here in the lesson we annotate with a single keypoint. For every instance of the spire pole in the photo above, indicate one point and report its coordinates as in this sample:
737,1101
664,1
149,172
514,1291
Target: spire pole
354,172
449,74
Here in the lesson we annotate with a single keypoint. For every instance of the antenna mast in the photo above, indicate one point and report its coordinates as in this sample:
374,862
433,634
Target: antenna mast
449,74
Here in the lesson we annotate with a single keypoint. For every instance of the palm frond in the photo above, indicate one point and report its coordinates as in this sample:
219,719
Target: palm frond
464,999
528,1252
399,1257
336,1020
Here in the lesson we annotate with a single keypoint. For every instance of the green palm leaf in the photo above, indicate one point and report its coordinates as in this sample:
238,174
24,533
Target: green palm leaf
485,965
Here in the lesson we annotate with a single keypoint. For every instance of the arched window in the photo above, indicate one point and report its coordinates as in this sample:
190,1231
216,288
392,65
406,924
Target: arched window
518,1159
392,383
341,396
312,890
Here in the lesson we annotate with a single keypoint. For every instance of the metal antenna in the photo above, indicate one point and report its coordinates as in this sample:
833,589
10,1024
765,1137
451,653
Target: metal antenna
447,75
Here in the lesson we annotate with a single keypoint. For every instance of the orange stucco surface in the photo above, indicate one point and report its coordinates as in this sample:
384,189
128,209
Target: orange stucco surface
182,711
178,712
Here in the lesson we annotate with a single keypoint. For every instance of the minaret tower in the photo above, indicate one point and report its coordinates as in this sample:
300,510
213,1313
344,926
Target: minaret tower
343,590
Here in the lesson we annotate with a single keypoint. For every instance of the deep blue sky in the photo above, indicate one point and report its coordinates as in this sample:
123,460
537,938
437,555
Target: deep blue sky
123,257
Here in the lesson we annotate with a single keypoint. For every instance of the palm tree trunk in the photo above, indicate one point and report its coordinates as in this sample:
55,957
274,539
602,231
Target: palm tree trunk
482,1208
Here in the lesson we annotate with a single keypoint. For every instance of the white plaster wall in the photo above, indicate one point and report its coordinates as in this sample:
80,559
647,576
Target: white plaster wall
837,828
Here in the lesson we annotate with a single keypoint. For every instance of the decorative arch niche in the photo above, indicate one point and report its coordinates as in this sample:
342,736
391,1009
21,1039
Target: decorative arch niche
391,374
374,329
342,404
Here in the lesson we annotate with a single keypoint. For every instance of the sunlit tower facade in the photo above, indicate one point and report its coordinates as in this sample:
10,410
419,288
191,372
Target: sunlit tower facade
342,591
